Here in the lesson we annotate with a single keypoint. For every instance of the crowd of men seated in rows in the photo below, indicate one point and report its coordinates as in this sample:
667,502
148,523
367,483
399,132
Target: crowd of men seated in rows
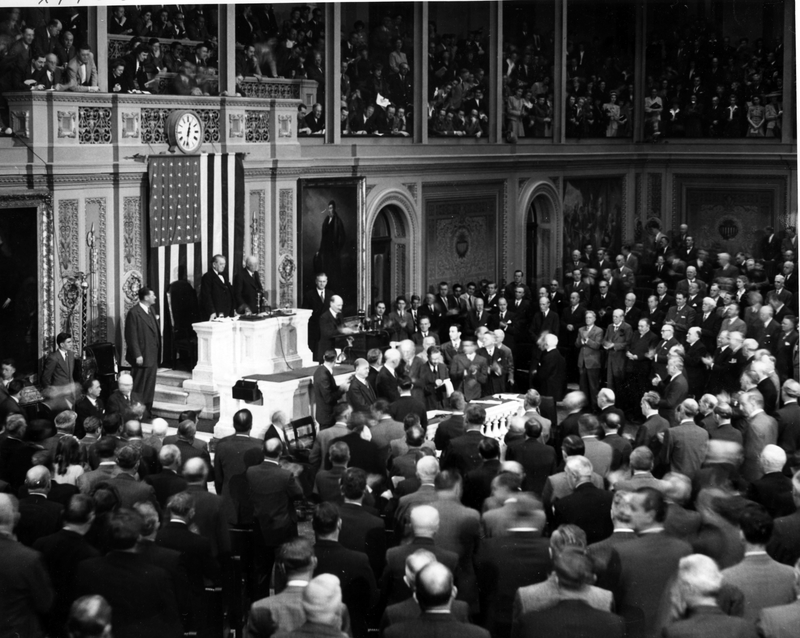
700,83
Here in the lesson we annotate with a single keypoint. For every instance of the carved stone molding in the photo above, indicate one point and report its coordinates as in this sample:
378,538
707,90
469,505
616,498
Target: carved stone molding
369,188
69,293
100,328
256,127
236,125
21,123
286,265
67,123
132,259
504,245
521,183
94,125
284,125
257,223
130,125
412,188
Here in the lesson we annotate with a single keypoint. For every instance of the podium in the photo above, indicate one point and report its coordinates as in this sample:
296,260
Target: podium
356,345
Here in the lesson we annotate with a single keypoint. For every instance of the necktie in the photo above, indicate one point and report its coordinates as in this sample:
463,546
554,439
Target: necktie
322,295
517,303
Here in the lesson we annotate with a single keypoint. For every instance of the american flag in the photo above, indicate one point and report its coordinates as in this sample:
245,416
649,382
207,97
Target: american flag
196,212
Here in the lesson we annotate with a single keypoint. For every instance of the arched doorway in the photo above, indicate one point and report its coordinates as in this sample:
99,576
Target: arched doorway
388,255
541,241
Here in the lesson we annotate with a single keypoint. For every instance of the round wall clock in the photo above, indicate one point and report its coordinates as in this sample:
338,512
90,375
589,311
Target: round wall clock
184,131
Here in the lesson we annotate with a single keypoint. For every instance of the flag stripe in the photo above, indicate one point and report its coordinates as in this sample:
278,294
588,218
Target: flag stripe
233,265
217,195
204,235
238,234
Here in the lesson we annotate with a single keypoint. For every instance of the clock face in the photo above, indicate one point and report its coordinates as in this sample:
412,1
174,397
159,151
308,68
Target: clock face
188,133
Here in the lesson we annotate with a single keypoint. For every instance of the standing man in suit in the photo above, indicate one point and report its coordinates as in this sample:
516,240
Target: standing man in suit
272,491
498,366
360,394
326,392
469,371
216,294
589,343
537,459
247,289
686,444
59,368
330,326
81,72
617,341
144,345
90,405
317,301
675,388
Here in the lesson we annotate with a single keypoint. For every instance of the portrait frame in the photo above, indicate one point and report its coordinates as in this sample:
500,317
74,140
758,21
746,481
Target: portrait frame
593,212
342,252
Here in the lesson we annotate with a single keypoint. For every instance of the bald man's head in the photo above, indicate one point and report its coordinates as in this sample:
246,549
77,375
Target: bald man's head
434,587
37,479
414,564
272,448
195,470
425,521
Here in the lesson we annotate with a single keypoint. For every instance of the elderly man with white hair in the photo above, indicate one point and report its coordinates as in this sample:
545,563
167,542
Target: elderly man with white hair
760,431
123,399
588,507
617,340
248,293
38,515
696,589
552,370
158,432
773,490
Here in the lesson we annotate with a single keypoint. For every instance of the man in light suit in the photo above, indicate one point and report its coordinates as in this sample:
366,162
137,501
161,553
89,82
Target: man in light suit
761,430
272,491
216,294
782,621
143,338
81,72
589,343
59,368
617,341
247,288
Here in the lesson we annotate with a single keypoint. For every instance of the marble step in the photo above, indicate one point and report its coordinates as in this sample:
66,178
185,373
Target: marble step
174,378
171,394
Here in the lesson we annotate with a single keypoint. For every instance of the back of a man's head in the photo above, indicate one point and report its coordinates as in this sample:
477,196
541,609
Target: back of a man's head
424,521
272,448
427,469
181,505
474,416
169,455
533,428
89,617
447,481
433,586
415,437
124,529
322,600
489,449
128,458
187,429
354,483
195,470
579,469
457,402
588,425
573,445
756,524
339,453
326,519
243,421
652,501
150,517
133,429
79,510
414,564
573,568
296,555
642,459
8,512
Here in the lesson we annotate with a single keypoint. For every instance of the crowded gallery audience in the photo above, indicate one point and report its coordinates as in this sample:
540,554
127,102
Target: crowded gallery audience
701,82
646,484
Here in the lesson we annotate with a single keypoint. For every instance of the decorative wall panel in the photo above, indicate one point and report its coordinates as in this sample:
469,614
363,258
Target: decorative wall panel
258,227
132,258
727,219
154,132
98,280
654,191
286,264
94,125
594,212
256,126
68,260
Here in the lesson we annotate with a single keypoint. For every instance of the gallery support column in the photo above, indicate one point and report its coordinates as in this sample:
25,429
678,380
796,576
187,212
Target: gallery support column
559,71
96,20
787,130
333,70
496,71
227,43
420,73
640,66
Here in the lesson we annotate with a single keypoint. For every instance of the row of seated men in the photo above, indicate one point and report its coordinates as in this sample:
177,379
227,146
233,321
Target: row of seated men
690,493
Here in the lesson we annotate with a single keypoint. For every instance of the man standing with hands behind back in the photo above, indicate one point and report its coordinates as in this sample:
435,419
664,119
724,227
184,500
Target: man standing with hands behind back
318,301
144,345
216,295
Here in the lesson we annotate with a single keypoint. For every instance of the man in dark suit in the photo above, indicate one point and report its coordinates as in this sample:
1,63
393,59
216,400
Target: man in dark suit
352,568
272,491
588,507
361,529
360,394
478,482
767,330
189,445
434,591
326,392
453,426
248,293
469,371
652,558
537,459
197,555
425,330
230,468
499,366
477,317
63,551
148,604
462,453
709,323
424,525
10,405
363,453
143,339
773,490
569,618
59,367
318,301
330,326
26,590
131,490
406,404
432,310
387,382
550,374
788,418
38,515
168,481
89,405
216,294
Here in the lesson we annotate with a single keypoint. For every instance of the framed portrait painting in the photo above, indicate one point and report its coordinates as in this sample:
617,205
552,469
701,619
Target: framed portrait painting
330,220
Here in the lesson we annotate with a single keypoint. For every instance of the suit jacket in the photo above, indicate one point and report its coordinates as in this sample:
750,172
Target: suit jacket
229,475
774,492
495,383
425,384
409,610
590,354
569,619
131,491
503,565
165,484
471,384
640,571
673,393
552,374
38,517
73,82
589,508
84,408
685,448
360,395
146,606
283,613
764,583
88,480
761,430
459,531
216,296
25,589
788,418
447,430
363,532
621,341
197,553
326,395
462,453
694,369
273,491
435,625
709,328
769,336
478,483
538,460
540,323
779,622
387,386
392,585
363,454
449,351
117,404
58,371
246,288
142,337
313,302
405,405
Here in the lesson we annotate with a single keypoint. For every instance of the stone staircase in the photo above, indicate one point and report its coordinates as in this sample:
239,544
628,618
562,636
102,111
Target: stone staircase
172,398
